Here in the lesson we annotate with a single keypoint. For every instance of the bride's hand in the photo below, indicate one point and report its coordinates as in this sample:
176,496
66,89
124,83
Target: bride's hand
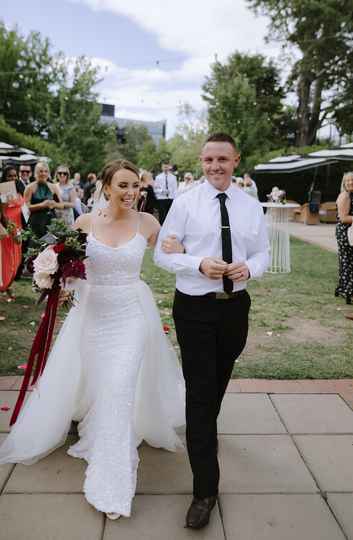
64,296
172,245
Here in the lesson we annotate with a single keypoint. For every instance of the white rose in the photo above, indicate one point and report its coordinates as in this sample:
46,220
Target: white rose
46,262
43,280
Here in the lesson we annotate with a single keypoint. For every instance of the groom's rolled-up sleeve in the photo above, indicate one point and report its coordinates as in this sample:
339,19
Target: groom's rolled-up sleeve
179,263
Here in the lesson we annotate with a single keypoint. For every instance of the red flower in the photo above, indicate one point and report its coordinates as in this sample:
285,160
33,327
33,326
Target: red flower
166,328
74,269
5,407
58,248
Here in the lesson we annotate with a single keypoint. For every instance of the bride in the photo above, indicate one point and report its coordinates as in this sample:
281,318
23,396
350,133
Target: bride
111,367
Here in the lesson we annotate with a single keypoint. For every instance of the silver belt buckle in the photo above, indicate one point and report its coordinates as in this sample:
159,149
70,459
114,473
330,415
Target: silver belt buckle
222,296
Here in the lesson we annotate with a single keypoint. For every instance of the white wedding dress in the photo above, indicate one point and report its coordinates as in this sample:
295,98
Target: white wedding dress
112,369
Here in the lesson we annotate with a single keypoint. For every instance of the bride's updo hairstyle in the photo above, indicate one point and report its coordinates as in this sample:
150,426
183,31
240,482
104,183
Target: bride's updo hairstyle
112,167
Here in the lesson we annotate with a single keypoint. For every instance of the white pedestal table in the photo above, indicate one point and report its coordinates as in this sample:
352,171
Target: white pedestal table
277,223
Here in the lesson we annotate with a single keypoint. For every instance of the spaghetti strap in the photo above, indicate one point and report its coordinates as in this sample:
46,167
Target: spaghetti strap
91,224
138,223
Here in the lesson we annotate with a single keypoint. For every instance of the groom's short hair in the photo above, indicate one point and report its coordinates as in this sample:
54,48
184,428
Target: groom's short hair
222,137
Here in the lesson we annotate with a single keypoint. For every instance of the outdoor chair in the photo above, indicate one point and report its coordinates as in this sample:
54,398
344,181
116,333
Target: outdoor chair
328,212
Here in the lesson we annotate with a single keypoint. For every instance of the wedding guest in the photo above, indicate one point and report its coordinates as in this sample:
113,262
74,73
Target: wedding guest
345,250
40,198
68,195
165,189
147,200
9,174
89,187
25,172
250,186
187,184
11,219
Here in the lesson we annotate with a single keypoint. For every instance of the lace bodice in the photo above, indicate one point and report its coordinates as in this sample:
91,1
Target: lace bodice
114,266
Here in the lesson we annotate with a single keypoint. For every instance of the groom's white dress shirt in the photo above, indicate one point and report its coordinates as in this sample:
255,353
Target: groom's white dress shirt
165,186
195,219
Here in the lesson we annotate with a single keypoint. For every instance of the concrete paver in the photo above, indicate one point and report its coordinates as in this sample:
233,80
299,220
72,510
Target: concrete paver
160,517
280,454
330,459
262,464
161,471
341,505
249,413
57,473
48,517
314,413
7,397
5,470
278,517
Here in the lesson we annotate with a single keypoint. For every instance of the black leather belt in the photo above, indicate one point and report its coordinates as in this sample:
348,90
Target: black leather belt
224,295
217,295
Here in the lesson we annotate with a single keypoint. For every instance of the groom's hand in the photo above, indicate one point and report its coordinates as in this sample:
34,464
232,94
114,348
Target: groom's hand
213,267
237,272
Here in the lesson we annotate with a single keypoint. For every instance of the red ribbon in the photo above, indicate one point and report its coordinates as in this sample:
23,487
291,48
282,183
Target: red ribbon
40,349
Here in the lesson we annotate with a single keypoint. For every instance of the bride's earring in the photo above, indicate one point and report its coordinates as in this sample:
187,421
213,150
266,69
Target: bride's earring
106,196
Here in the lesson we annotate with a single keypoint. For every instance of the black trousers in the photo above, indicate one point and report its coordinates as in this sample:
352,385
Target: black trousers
163,206
211,333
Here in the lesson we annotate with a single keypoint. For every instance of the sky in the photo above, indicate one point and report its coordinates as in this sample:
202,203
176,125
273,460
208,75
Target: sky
154,54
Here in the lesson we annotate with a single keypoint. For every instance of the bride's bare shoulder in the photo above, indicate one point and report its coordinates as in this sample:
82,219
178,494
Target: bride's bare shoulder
149,222
83,222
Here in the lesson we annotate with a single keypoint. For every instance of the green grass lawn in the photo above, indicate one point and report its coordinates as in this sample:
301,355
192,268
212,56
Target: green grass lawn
297,327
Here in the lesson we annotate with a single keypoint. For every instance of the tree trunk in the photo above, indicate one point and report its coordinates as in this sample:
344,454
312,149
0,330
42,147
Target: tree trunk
304,86
315,122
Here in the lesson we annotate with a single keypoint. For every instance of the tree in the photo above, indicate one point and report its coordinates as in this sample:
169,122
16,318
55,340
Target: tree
73,118
148,157
28,73
185,147
132,139
322,34
244,97
41,147
41,94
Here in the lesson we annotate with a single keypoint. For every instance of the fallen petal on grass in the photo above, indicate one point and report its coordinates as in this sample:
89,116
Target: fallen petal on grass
22,366
5,407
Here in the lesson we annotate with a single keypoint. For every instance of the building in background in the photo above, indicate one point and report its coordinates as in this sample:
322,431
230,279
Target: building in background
157,130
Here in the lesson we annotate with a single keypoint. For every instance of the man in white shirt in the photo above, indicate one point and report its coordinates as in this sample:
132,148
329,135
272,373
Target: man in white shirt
165,189
225,240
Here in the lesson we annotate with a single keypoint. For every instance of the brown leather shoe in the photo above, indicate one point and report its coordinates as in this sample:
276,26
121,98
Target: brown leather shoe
199,512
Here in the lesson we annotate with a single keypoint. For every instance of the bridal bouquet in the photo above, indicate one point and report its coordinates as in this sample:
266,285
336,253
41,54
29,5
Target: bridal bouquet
54,259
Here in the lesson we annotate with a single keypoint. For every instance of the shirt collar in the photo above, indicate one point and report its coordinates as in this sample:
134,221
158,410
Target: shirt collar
213,192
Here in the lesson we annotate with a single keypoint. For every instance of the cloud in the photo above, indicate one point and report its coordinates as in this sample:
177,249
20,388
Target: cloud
197,27
200,29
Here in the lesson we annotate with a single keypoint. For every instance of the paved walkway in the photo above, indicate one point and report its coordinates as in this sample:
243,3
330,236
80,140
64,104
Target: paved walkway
322,235
286,450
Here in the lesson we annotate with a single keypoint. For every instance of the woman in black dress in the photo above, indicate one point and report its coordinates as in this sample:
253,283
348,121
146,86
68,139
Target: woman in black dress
345,251
42,197
147,199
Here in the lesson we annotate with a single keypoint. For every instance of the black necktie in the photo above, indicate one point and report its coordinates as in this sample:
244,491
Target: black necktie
226,240
166,185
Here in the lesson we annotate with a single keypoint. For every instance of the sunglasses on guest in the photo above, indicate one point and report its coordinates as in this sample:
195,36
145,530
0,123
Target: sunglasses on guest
62,173
26,171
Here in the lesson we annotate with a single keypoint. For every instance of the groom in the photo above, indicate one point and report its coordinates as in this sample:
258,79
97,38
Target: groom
225,240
